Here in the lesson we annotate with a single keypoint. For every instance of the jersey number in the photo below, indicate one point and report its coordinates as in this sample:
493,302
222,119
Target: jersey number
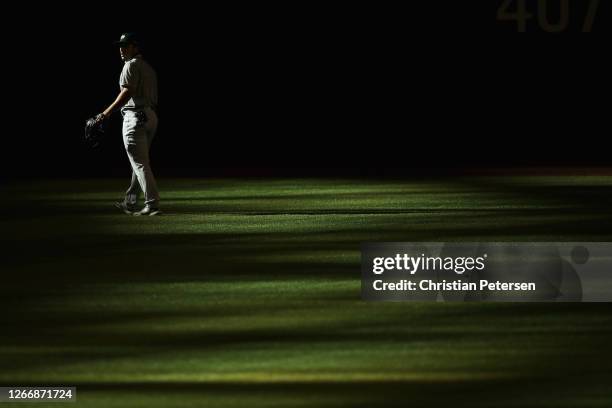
521,15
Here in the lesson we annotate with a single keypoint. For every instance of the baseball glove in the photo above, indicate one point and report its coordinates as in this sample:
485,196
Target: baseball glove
94,130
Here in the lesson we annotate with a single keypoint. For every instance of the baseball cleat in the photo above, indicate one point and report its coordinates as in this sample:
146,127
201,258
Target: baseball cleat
148,210
126,208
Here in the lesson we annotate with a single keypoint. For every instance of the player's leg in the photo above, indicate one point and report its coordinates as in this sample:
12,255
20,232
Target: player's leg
133,191
135,137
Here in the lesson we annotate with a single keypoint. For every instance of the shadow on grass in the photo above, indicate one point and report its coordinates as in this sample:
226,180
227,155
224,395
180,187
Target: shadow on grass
413,393
571,341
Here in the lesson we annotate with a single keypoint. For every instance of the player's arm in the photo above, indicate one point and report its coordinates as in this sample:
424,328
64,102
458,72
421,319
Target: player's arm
121,100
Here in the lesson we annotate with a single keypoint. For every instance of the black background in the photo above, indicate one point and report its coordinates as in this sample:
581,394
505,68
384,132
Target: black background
310,89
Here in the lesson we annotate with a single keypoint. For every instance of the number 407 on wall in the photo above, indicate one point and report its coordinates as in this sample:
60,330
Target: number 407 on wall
516,10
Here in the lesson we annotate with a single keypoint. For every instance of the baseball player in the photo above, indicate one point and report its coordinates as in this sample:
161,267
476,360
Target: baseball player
137,99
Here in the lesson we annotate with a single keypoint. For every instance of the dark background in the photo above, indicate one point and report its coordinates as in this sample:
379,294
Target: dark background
269,89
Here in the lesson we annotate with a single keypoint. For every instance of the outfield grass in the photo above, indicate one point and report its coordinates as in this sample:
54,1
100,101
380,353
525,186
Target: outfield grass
246,293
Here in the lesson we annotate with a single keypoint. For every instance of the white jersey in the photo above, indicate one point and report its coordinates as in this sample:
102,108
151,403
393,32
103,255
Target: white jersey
140,78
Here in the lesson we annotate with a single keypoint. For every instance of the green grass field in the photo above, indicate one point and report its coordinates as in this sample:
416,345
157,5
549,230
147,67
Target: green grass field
246,293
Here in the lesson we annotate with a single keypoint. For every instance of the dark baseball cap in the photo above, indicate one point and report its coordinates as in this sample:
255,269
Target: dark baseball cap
128,38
